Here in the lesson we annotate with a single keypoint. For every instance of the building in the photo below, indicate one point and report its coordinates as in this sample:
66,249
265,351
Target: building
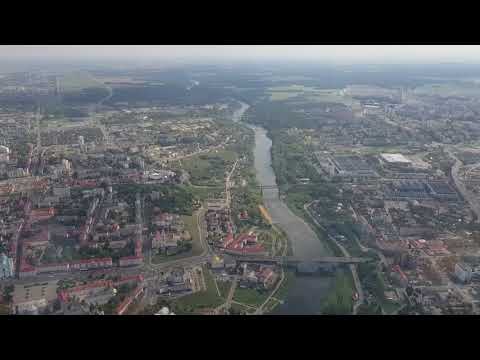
51,268
131,261
442,190
166,241
133,279
349,166
27,270
244,244
42,214
216,262
87,264
165,311
32,298
4,154
267,277
395,159
84,291
463,272
6,267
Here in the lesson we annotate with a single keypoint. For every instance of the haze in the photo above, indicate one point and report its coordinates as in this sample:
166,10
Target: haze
374,54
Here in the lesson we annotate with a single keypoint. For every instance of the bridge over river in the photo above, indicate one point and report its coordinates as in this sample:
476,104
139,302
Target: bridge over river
295,260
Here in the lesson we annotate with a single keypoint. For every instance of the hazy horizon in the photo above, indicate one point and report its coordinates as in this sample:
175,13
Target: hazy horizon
198,54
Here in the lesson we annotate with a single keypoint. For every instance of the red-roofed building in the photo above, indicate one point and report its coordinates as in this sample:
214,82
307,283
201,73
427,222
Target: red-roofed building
130,279
228,240
130,261
53,268
27,270
243,215
83,291
86,264
268,277
40,238
244,244
42,214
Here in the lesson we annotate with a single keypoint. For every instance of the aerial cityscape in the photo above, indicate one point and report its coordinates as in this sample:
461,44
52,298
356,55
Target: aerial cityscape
239,188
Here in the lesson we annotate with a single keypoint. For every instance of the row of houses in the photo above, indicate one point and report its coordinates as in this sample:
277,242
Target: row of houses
27,270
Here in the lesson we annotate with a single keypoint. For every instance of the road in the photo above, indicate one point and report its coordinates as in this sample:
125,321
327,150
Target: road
231,292
467,196
228,184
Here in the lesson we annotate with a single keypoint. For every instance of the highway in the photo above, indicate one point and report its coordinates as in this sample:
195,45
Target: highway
467,196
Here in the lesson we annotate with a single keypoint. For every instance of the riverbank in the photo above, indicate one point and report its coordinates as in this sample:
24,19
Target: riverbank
305,294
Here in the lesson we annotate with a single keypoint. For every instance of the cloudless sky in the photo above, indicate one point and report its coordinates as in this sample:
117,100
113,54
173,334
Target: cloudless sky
198,53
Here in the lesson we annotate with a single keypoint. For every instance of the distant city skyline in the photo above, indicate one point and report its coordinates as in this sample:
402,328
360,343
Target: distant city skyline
341,54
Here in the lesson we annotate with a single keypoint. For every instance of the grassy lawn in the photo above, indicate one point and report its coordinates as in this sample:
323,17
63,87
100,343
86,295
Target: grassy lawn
209,168
203,299
190,225
240,309
205,193
390,306
271,304
250,296
224,287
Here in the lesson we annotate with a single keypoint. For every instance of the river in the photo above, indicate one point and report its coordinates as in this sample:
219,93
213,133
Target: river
306,293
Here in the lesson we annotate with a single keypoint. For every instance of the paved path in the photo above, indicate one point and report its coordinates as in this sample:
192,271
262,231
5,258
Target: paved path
259,311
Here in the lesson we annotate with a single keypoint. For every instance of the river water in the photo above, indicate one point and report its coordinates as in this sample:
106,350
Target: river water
306,293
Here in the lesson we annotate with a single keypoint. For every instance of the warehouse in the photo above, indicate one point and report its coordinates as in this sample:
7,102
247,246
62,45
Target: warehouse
353,166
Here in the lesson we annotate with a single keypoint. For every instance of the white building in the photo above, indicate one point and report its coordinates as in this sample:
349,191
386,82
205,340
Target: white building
6,267
67,166
395,159
165,311
4,153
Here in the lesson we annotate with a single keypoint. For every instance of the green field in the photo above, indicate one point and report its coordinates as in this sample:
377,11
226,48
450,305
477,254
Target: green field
205,193
79,80
209,169
203,299
250,296
306,94
224,287
240,309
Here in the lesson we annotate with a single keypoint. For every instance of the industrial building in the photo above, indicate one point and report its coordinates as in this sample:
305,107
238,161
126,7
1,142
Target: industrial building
395,160
442,190
347,165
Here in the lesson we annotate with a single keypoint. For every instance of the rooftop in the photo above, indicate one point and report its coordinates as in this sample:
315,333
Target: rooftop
395,158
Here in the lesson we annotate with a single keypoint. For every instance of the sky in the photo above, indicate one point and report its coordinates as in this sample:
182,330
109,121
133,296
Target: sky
345,54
